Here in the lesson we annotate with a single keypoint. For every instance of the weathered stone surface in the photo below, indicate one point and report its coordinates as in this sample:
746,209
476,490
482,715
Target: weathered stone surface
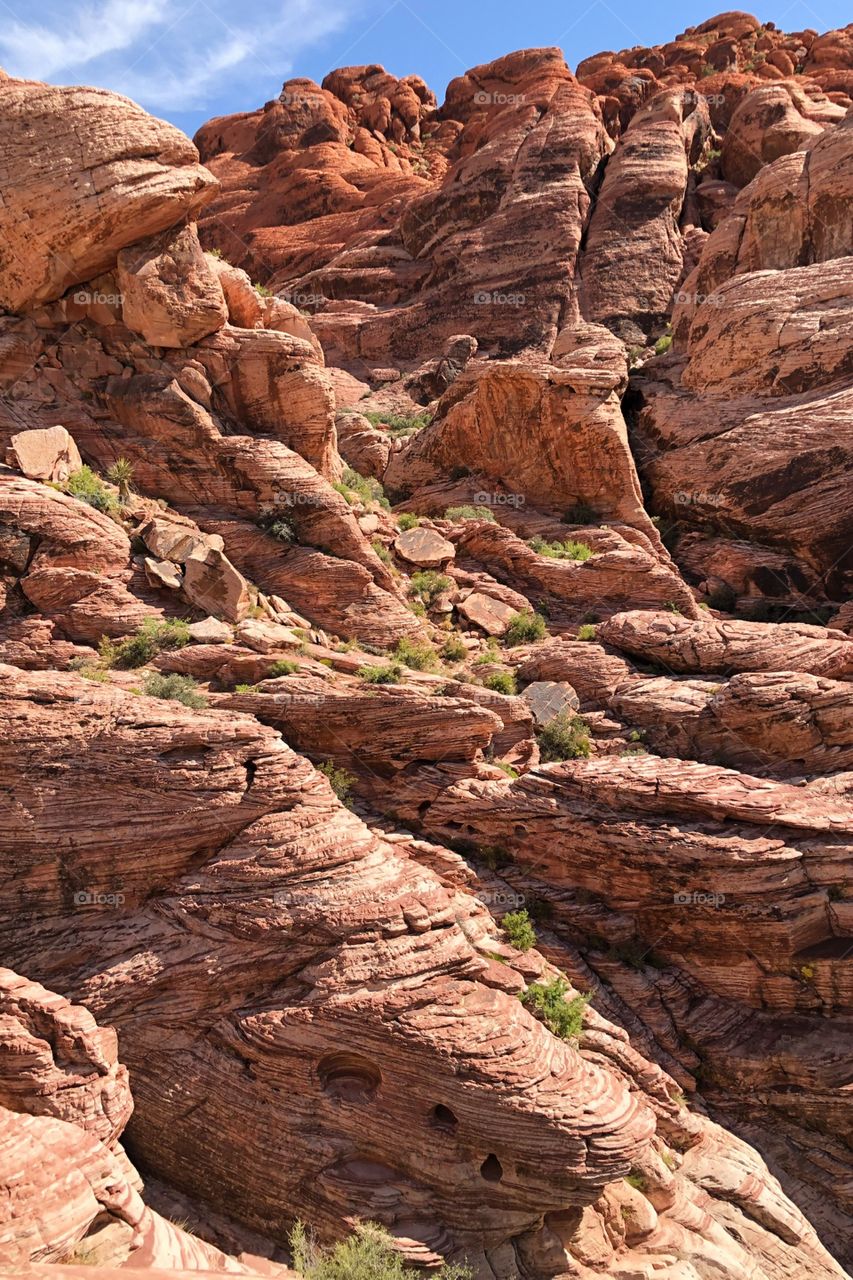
170,293
726,646
771,122
568,444
108,174
633,253
492,615
210,631
548,698
212,583
424,547
50,454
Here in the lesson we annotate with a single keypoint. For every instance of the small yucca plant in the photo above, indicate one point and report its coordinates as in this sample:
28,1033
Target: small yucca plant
121,474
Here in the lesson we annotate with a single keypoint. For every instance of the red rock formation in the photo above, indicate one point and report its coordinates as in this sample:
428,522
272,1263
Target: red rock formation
317,1000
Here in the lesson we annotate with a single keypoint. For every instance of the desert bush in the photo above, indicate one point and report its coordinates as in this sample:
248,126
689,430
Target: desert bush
663,344
501,682
174,688
408,520
547,1001
340,780
365,488
571,549
90,488
517,927
586,631
454,650
420,657
524,627
150,639
388,674
580,513
427,585
281,667
121,474
564,738
368,1254
469,513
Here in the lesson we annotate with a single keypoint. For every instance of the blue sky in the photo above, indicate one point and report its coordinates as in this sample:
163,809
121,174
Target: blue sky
188,60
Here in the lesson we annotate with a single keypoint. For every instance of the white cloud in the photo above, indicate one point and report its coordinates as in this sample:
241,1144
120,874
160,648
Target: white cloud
169,55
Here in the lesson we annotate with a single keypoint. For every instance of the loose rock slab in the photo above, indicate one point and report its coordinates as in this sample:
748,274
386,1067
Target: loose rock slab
48,454
548,698
424,547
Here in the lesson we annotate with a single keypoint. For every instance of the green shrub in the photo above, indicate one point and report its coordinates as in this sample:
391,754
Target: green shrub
507,768
517,927
340,780
174,688
501,682
363,487
407,520
152,637
586,631
427,585
281,528
637,1181
262,289
420,657
469,513
524,627
281,667
381,551
672,607
568,550
547,1001
663,344
89,488
454,649
399,424
563,738
388,674
368,1254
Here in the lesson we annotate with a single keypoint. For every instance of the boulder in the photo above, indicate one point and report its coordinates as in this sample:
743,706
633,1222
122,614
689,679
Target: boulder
550,698
212,583
424,547
484,611
163,573
46,454
210,631
84,173
170,293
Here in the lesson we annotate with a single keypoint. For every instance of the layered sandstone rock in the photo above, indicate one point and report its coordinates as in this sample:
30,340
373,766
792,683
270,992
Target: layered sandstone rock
236,1039
141,176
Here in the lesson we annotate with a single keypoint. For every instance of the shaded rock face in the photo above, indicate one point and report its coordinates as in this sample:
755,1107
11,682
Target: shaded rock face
280,764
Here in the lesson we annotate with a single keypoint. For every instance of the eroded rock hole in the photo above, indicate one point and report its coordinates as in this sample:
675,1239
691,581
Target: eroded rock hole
443,1118
492,1169
349,1076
